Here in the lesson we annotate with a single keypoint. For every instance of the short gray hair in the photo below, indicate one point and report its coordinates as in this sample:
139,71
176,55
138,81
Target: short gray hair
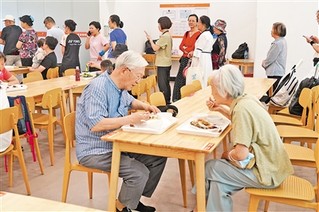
131,60
229,81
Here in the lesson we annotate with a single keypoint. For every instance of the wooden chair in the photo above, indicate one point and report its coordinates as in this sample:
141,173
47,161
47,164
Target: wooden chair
69,72
34,145
304,134
77,93
305,100
197,84
293,191
151,86
53,73
273,109
150,58
32,77
9,117
50,100
69,129
157,99
140,88
187,90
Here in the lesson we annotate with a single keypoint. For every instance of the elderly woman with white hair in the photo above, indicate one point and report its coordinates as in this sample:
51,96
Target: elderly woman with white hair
258,158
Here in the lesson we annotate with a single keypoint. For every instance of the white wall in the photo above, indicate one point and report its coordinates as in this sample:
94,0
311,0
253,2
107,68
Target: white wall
247,21
300,19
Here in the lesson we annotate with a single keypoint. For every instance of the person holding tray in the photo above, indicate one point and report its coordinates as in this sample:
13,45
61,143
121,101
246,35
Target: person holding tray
102,108
251,162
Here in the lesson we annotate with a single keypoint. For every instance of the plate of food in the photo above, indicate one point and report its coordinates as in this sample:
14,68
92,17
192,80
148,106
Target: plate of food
157,124
204,124
88,75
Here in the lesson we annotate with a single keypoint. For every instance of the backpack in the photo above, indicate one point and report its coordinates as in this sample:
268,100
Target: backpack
294,107
148,47
240,52
286,88
24,123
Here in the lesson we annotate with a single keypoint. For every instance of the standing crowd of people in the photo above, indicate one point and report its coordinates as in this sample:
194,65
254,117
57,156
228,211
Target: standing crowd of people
105,103
22,47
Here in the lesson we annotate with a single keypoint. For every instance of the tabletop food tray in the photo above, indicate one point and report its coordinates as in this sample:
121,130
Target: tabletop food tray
218,122
16,87
158,125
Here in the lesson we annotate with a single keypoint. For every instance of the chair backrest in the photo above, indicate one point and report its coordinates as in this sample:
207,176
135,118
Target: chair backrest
52,98
69,129
140,88
32,77
53,73
10,115
187,90
317,167
150,58
150,85
152,82
157,99
69,72
197,84
315,106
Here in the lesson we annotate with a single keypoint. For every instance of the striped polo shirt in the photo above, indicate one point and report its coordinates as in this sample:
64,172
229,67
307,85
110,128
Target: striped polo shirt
100,99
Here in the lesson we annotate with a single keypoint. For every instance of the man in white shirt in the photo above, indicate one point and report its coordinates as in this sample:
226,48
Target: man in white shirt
55,32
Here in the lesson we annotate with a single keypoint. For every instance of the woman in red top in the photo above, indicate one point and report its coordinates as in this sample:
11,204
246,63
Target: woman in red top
5,75
187,47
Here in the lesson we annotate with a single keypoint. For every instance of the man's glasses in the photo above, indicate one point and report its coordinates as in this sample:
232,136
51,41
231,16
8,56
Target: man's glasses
138,77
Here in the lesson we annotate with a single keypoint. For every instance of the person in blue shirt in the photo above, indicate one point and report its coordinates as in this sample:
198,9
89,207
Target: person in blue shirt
102,108
275,63
117,35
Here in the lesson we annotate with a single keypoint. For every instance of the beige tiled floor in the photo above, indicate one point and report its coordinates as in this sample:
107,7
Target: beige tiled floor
167,197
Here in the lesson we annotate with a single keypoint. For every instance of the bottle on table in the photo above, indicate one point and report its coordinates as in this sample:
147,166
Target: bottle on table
77,73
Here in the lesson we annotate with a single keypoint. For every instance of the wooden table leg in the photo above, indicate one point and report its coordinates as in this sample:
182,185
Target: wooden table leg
116,157
200,181
64,102
71,101
182,173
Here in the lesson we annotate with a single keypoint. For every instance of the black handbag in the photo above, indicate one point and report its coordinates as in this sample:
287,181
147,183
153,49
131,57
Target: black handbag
169,108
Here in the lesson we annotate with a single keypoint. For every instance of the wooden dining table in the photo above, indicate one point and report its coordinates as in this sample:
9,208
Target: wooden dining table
177,145
17,70
38,88
17,202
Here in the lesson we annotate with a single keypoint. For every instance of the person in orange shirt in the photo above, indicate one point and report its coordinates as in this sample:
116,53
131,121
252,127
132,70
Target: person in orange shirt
5,75
187,47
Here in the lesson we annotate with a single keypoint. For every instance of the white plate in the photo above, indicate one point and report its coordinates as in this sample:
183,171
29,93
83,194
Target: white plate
93,74
219,121
153,126
9,67
17,87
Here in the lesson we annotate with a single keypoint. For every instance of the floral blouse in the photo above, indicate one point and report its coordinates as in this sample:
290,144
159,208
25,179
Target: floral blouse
29,46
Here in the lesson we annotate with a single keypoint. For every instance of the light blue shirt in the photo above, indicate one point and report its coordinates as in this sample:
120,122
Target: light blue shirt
275,63
100,99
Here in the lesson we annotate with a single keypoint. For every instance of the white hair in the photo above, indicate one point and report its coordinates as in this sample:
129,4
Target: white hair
131,60
229,81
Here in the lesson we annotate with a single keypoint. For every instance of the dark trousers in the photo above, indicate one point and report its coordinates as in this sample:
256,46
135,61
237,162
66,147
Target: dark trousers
26,62
180,80
163,75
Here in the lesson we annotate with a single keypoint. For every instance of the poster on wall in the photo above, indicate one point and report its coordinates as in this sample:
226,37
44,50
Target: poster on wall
178,13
